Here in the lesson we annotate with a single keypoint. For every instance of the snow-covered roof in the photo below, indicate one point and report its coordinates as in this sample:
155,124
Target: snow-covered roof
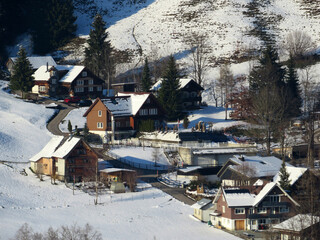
294,174
112,170
41,74
49,149
258,183
223,150
265,190
118,106
73,72
238,197
183,82
56,147
298,222
137,100
261,166
202,203
189,169
37,62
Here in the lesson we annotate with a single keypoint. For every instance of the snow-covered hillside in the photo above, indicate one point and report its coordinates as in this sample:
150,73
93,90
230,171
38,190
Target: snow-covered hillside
163,27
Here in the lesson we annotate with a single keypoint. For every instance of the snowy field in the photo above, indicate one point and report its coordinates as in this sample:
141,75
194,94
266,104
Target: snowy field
147,214
76,118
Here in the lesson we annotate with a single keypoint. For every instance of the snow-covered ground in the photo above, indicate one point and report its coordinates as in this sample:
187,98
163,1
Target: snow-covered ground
76,118
147,214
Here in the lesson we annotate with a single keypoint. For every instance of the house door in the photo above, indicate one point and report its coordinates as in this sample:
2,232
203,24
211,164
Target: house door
239,224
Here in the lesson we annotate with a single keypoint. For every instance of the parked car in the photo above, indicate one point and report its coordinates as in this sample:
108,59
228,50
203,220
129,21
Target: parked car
74,99
85,103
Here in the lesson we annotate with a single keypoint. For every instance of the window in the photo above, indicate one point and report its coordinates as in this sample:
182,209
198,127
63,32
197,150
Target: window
53,89
79,82
262,221
42,88
53,81
153,111
118,124
284,209
79,89
99,125
81,151
90,89
251,211
85,160
239,211
71,170
99,88
84,74
127,124
143,112
262,210
223,209
90,81
99,113
193,94
274,198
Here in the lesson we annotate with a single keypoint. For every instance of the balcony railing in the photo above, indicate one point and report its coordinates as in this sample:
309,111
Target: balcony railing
275,204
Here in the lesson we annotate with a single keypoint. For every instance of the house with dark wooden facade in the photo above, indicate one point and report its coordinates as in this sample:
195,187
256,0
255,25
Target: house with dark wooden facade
190,93
66,80
66,159
251,208
119,117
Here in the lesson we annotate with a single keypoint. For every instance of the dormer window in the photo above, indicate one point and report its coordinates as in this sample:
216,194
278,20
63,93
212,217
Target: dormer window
84,74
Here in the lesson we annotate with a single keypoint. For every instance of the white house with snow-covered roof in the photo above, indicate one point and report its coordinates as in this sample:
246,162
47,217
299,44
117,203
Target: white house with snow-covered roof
53,80
244,169
251,208
121,116
190,92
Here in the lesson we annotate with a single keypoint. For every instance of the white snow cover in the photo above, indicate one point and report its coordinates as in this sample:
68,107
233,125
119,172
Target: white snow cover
22,127
41,74
119,106
294,174
66,147
146,214
242,199
37,62
137,100
111,170
189,169
182,81
265,190
201,203
143,155
76,118
297,223
261,166
73,72
49,149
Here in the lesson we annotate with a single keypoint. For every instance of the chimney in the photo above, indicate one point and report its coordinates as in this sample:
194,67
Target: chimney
241,158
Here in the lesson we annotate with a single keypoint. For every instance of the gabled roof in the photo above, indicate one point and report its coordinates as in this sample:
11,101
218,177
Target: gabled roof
41,74
294,174
125,104
37,62
73,72
182,81
203,204
297,223
58,147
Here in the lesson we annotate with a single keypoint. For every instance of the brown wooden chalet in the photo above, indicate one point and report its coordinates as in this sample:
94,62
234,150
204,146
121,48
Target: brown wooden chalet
66,80
119,117
256,207
190,93
66,158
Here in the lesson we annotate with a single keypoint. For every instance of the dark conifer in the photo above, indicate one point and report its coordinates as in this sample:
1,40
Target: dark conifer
284,177
169,93
22,78
146,78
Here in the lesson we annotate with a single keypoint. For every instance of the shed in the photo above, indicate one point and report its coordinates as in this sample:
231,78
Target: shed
202,209
117,187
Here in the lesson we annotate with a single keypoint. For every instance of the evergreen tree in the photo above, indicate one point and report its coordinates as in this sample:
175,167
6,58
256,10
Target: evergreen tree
22,78
284,177
69,127
169,93
293,91
185,122
53,24
98,55
146,78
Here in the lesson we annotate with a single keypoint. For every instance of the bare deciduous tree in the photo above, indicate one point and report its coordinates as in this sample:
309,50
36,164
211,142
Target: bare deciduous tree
298,43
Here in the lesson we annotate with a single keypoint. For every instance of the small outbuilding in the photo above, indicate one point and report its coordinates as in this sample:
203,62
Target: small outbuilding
202,209
120,175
